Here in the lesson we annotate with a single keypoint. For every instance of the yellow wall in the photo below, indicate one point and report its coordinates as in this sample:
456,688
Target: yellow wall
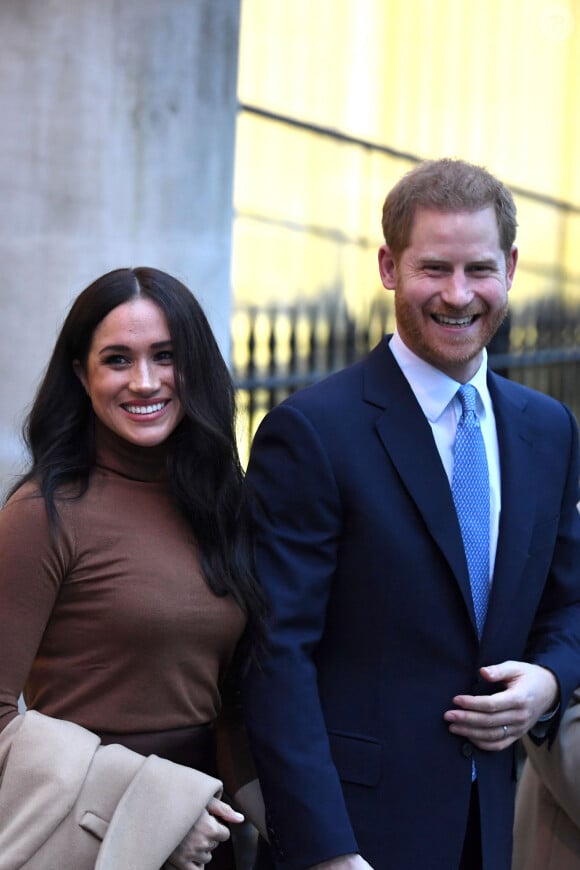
495,82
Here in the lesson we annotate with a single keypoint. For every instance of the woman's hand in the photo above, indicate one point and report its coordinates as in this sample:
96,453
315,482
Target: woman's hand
196,848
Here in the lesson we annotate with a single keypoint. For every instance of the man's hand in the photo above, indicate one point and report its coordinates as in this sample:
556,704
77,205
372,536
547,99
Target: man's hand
494,722
195,850
343,862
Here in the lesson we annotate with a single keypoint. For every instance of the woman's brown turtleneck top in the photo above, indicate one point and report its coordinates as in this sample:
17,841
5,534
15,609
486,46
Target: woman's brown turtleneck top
111,624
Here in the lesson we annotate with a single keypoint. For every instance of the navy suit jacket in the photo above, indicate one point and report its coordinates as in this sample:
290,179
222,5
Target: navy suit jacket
373,629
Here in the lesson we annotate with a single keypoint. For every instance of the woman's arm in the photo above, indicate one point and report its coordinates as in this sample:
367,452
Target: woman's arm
31,572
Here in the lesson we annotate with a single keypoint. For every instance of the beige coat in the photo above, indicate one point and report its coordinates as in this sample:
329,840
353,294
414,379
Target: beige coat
67,802
547,819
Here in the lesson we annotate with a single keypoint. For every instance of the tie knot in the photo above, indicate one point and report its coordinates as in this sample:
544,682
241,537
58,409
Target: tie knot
467,395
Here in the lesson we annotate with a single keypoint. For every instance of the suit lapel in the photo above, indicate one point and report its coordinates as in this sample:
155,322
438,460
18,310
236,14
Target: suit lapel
416,458
518,497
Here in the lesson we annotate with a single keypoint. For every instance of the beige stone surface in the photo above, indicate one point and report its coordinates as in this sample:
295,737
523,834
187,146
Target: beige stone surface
118,124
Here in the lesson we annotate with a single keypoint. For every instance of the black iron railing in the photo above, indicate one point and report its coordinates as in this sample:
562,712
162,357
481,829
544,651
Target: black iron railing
277,351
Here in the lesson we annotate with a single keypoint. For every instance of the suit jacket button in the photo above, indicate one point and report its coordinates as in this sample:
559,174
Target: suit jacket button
467,750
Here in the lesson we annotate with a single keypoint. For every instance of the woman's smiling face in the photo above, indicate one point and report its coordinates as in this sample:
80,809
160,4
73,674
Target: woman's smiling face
129,374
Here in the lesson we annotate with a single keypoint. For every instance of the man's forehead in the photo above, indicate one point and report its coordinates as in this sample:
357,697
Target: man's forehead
443,221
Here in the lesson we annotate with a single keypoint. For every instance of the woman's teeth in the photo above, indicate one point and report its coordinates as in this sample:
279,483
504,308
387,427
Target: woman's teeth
144,409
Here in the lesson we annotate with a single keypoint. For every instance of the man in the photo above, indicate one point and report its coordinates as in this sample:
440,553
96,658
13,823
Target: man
385,713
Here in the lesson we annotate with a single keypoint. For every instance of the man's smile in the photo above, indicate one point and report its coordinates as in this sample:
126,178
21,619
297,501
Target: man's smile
446,320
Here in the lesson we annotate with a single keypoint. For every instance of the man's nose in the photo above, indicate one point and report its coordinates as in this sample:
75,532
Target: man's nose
457,290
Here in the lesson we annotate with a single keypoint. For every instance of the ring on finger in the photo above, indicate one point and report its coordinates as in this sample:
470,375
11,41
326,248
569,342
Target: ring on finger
506,729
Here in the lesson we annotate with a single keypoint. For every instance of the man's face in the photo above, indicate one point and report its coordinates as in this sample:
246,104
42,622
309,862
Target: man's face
451,285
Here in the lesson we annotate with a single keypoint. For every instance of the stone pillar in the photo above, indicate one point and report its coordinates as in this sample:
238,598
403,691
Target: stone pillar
117,148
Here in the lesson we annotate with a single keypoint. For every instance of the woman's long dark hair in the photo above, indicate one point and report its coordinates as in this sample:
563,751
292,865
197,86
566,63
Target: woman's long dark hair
203,465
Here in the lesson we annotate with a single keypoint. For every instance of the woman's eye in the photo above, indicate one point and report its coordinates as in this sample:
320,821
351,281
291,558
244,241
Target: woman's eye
165,356
115,360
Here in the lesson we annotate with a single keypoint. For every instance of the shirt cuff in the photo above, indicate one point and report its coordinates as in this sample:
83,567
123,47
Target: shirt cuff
541,728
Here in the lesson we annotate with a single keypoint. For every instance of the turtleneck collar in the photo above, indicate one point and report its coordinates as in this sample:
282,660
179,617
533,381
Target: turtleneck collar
114,453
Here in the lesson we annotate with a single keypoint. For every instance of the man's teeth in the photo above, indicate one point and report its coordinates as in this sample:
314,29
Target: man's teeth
454,321
144,409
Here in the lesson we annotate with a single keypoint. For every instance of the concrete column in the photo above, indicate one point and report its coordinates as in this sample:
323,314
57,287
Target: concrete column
117,145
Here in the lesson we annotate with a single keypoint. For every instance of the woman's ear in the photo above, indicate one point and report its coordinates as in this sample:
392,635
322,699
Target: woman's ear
80,373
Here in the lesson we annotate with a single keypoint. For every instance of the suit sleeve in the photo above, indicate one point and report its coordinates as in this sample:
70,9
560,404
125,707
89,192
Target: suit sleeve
554,641
299,520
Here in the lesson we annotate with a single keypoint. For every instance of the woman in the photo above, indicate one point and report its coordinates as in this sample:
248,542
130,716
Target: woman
125,568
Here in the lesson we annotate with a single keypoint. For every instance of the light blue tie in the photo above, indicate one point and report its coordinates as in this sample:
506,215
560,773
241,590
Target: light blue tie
470,487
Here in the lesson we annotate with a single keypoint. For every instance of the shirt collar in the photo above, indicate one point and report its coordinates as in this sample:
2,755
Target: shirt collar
433,389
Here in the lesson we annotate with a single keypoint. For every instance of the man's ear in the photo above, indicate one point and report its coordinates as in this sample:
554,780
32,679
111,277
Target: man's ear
387,267
80,373
511,266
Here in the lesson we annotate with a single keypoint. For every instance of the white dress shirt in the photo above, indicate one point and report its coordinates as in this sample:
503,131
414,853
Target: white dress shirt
436,394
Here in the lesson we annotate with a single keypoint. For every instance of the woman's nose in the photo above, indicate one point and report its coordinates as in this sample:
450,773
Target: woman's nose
144,379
